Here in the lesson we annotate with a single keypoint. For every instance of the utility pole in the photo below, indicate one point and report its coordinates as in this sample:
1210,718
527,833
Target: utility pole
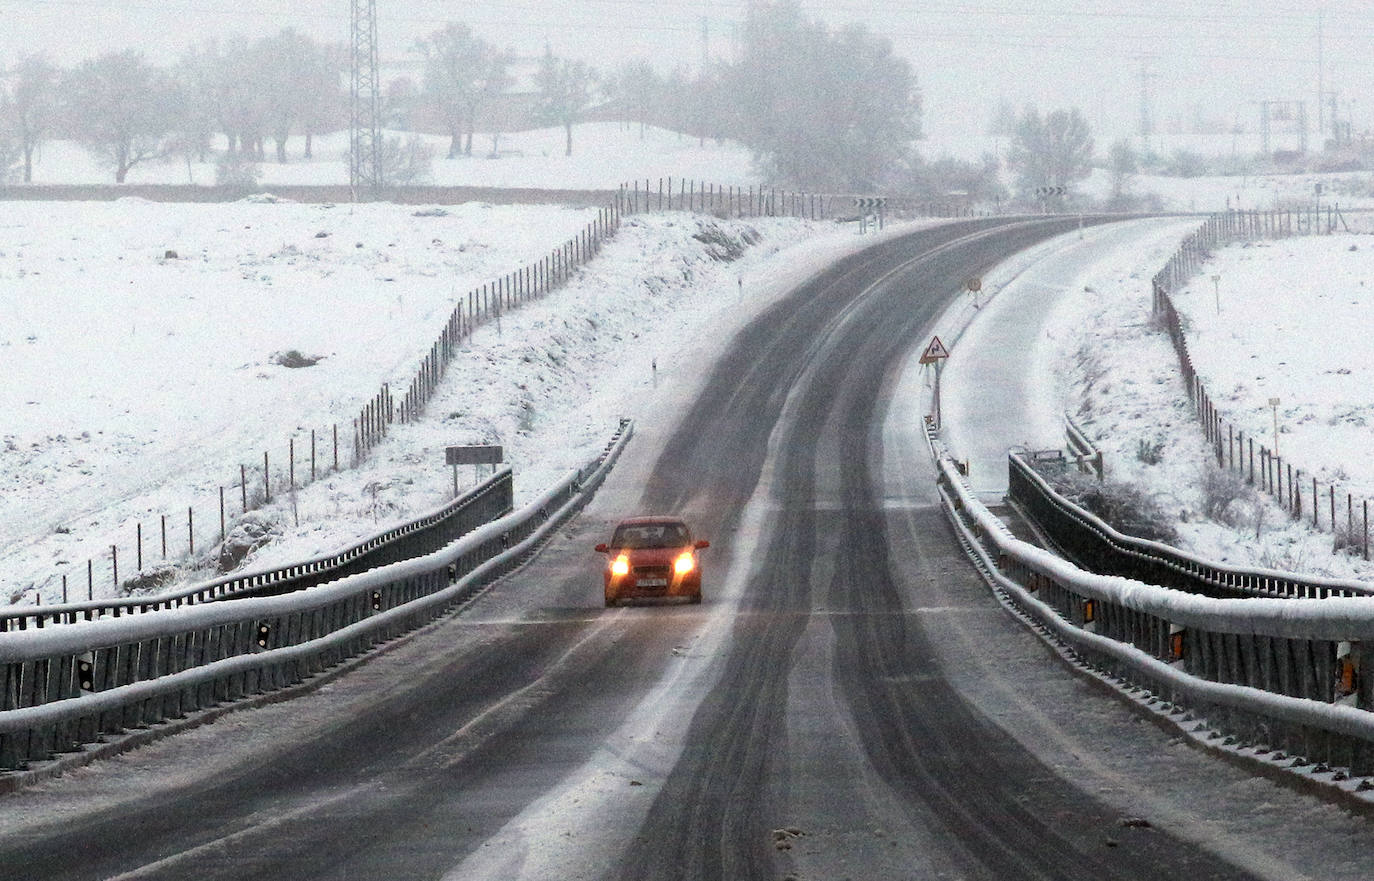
1321,89
364,128
705,61
1146,120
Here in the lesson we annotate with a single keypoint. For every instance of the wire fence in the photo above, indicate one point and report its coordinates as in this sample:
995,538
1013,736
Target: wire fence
726,201
1300,492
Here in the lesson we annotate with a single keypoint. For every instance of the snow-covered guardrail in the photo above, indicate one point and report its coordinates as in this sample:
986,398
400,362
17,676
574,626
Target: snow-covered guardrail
489,500
1287,674
1085,455
1087,538
61,687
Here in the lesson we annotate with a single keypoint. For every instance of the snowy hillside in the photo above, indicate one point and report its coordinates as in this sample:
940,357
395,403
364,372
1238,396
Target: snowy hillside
1295,322
139,382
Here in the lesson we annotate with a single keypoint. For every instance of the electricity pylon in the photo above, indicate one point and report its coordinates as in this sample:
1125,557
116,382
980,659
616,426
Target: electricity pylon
364,127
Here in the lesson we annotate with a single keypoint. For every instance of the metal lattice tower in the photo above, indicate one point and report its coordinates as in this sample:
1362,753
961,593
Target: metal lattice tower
364,128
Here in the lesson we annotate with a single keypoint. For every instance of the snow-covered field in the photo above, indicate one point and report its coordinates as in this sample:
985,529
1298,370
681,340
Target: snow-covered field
1263,192
605,154
1294,323
137,383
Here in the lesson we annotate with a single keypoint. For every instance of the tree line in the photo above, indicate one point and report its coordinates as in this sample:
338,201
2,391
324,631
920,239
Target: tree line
821,109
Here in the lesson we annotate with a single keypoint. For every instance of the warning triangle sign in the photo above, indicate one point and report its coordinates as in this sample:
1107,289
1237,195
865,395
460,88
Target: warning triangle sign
934,352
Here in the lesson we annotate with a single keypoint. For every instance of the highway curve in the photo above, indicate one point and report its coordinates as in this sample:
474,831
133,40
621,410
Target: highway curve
806,721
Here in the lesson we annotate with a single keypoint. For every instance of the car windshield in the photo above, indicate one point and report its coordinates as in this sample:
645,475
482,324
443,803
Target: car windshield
651,535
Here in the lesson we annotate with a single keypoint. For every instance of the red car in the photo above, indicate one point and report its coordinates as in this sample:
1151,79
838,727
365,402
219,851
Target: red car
652,557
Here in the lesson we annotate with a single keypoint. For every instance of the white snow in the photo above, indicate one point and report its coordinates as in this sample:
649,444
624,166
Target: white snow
1295,324
137,384
605,154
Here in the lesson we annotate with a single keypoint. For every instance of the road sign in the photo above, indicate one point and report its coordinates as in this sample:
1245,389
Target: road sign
865,202
477,454
934,352
472,454
1044,192
974,285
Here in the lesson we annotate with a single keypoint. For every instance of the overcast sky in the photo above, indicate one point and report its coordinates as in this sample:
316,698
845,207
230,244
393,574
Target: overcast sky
1210,60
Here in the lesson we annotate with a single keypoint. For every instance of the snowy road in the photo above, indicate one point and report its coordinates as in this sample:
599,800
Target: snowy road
848,702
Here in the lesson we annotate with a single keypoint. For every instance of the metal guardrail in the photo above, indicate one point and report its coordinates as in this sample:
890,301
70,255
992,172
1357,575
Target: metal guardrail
1085,455
489,500
61,687
1086,538
1293,675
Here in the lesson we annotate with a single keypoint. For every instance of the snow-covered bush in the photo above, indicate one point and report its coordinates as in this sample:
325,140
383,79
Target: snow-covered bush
256,529
1150,452
152,579
235,169
1225,495
723,246
406,164
1122,506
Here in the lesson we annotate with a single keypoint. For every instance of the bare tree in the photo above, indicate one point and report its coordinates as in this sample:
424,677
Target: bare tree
822,110
323,83
1124,165
1003,121
295,75
121,109
32,107
1053,151
241,87
565,90
461,72
639,88
195,75
399,100
10,153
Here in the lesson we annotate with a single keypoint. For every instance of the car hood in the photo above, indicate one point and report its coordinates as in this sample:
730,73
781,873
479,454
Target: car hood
653,556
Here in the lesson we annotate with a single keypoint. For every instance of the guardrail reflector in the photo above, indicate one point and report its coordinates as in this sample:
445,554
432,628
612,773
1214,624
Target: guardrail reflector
1175,642
1347,676
85,672
1089,611
264,634
376,601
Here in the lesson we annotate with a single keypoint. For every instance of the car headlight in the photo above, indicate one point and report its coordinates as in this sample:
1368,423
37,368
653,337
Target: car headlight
684,564
621,565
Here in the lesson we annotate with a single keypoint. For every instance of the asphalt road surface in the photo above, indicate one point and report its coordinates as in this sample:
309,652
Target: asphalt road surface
839,706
